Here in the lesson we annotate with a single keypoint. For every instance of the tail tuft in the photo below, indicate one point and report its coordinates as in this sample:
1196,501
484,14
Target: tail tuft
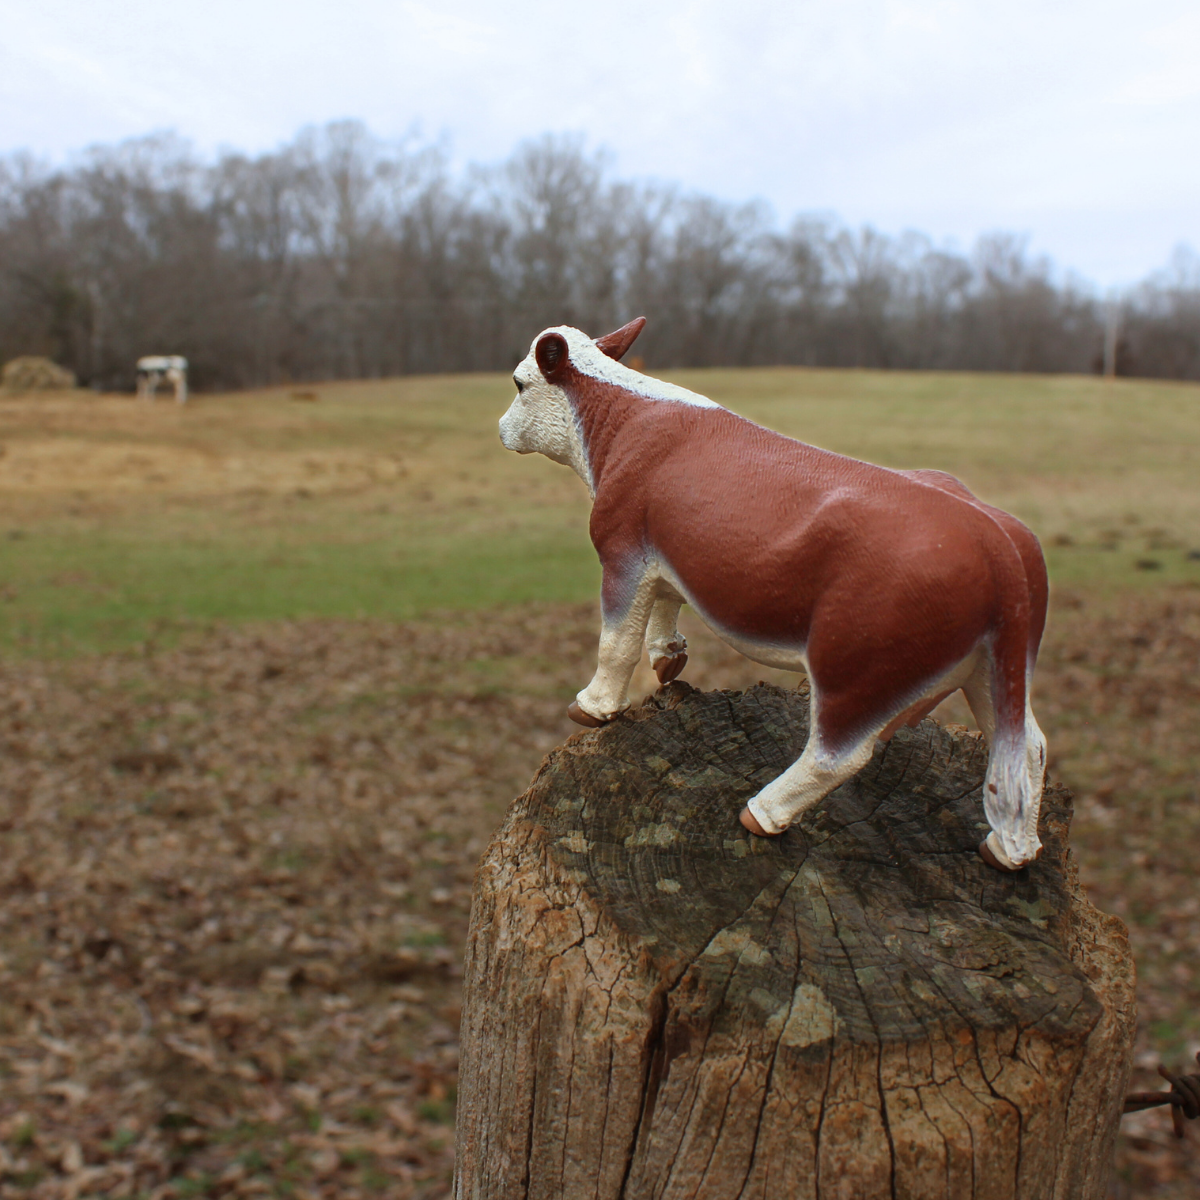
1011,799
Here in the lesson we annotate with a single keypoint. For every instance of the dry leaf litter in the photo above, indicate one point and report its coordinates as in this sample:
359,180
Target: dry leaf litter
235,880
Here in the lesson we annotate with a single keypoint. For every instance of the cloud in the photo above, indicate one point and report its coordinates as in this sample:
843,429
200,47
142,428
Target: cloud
944,114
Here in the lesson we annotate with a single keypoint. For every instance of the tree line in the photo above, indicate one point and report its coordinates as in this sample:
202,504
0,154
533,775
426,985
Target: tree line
343,256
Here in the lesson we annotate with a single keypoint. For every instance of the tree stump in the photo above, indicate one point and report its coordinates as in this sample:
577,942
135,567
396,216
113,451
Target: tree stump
660,1005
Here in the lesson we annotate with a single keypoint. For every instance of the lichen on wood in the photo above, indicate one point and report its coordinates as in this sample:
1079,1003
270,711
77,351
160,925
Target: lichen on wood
659,1004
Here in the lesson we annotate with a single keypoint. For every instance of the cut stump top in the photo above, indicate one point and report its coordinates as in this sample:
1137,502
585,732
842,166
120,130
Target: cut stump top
872,919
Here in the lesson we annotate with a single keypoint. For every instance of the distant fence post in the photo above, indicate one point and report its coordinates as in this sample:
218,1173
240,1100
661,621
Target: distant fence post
1112,328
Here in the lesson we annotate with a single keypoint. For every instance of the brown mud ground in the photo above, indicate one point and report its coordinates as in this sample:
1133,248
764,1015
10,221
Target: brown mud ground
235,878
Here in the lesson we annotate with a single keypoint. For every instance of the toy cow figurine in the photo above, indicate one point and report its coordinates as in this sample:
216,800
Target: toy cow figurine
890,589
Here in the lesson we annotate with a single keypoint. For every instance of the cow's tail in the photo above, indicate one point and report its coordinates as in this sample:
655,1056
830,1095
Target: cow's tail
1012,792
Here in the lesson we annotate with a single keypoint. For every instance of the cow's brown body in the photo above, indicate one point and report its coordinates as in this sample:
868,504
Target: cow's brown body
889,588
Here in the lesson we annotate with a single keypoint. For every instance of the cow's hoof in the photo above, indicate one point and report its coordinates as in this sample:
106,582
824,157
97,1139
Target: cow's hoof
985,852
669,668
583,718
750,821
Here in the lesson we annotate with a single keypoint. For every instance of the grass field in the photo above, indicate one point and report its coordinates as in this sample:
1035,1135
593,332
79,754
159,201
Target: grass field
246,774
124,522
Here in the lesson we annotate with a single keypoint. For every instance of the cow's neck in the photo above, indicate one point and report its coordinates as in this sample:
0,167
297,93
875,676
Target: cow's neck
601,409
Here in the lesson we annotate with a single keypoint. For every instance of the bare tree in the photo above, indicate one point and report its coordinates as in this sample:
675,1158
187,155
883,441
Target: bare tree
342,255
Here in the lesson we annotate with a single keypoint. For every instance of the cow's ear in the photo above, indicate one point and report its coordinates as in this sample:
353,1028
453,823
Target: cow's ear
616,343
551,354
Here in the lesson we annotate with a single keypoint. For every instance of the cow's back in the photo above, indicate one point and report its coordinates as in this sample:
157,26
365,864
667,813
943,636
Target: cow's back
762,531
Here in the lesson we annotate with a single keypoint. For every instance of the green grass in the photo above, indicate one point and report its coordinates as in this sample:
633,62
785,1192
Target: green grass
121,588
121,523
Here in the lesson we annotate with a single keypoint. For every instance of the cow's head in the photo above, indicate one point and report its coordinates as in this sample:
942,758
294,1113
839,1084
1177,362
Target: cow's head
540,419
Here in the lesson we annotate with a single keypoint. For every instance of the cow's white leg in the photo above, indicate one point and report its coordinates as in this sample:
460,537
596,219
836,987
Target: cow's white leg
621,640
978,691
667,647
809,779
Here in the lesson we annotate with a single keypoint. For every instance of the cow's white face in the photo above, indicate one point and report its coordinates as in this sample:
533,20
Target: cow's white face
540,420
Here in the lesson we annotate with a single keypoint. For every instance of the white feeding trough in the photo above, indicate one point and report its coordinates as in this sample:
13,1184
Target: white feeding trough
155,368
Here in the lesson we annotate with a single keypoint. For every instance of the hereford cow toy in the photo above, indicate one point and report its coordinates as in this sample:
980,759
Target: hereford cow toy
890,589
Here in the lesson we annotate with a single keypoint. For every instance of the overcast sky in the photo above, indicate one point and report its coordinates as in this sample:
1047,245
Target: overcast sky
1075,122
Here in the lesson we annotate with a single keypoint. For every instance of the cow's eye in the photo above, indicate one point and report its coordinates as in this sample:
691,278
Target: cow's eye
520,385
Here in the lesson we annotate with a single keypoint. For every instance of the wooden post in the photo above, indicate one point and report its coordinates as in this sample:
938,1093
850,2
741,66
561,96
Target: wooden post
660,1005
1112,328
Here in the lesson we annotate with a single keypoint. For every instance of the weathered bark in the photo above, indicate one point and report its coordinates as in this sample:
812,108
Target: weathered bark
660,1005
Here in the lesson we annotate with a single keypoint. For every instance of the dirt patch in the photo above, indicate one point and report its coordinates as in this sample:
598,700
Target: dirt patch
235,880
101,467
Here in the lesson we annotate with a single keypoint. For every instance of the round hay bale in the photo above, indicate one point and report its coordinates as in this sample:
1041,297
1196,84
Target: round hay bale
31,373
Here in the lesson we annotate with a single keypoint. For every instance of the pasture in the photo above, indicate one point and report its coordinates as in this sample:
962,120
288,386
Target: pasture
272,665
123,522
